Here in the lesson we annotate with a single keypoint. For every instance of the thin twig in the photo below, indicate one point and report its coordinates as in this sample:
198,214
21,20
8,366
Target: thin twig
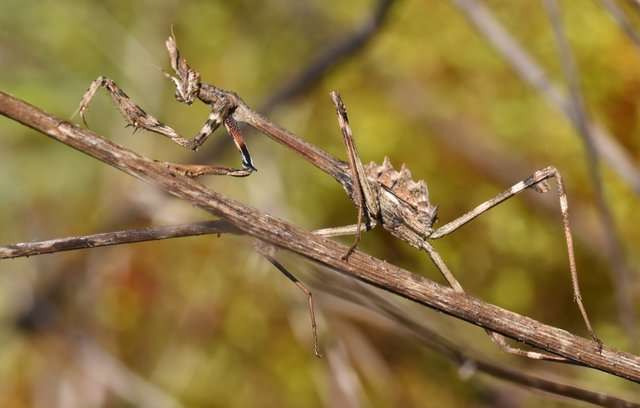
115,238
327,60
526,66
622,277
104,368
326,252
621,19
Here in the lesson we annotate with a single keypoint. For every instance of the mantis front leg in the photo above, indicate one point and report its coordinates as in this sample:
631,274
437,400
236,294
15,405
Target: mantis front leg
188,89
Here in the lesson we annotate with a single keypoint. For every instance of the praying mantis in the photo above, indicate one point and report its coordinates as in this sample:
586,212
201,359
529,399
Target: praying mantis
382,194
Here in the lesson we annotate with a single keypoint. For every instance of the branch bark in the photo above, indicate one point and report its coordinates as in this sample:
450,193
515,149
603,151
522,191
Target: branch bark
115,238
468,360
326,252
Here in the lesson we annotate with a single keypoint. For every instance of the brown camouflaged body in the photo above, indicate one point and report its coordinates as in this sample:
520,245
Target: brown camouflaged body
402,200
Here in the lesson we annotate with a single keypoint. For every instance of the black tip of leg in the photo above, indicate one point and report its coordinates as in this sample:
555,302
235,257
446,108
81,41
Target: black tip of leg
248,166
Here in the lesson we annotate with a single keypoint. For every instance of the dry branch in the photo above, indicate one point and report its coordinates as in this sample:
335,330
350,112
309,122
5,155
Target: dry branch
324,251
466,358
115,238
358,294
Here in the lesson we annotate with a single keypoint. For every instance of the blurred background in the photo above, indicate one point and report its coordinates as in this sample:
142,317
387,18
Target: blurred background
472,95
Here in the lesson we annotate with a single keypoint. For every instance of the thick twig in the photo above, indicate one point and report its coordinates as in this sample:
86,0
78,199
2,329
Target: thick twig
368,298
326,252
465,357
